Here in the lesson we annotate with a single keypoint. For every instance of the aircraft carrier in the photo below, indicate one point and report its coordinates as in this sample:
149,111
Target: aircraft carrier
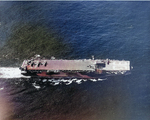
82,68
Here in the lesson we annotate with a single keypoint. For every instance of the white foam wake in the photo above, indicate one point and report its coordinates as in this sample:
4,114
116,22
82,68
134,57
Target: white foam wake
56,82
11,72
14,72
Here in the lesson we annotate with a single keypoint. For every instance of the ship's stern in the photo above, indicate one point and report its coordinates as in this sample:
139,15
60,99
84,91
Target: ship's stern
23,67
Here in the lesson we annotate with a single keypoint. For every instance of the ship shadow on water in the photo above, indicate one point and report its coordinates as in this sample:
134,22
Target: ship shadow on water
49,102
34,98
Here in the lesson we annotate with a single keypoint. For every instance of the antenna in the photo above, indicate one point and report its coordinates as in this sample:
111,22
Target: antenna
92,57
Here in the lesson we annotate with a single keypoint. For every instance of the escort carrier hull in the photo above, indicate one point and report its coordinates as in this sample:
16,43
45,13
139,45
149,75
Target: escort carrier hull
82,68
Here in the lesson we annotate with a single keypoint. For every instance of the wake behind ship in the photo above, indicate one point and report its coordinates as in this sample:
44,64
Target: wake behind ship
82,68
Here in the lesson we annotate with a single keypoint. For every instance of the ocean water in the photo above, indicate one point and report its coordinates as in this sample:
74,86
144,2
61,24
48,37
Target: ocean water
114,30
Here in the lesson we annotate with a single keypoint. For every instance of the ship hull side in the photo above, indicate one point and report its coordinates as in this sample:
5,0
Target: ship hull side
44,74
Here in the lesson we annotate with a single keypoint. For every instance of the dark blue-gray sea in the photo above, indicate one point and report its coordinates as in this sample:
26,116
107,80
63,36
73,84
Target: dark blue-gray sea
114,30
